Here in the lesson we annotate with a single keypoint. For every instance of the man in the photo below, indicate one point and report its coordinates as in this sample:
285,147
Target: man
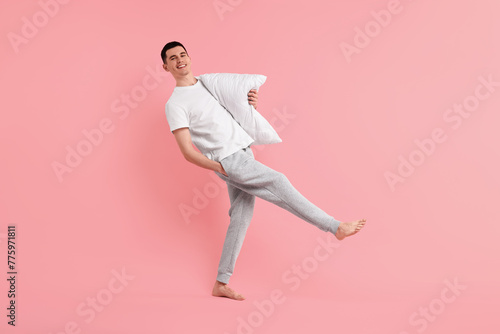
195,117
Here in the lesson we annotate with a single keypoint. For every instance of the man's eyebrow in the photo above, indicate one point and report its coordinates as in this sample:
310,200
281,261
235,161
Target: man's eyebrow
175,55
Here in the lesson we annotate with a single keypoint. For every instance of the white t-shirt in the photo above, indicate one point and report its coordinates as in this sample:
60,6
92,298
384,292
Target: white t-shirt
213,130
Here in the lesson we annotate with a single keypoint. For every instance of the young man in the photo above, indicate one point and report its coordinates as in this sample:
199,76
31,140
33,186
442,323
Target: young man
195,117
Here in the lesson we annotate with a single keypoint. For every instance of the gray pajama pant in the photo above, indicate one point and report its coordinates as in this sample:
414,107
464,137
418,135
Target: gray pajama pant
248,178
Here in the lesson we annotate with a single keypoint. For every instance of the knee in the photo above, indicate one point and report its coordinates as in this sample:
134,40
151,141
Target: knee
280,177
245,203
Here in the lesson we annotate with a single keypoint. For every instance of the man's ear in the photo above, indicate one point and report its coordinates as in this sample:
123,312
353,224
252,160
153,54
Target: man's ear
165,67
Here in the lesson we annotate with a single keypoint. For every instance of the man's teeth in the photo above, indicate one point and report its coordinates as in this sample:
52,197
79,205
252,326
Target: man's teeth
181,66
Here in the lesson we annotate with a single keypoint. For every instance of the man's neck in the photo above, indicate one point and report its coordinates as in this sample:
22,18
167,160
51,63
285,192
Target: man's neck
186,81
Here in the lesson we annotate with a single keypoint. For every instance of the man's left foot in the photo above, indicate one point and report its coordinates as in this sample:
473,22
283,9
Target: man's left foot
348,229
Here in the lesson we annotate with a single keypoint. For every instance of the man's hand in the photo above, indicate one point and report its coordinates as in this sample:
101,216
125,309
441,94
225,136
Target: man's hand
222,171
253,97
183,138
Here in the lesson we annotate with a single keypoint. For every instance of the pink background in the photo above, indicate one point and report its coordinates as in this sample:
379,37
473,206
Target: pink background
349,121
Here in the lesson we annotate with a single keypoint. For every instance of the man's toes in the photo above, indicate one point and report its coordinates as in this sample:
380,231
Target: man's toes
237,296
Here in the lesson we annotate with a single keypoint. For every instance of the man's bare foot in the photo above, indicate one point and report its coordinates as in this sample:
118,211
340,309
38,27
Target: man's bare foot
350,228
222,290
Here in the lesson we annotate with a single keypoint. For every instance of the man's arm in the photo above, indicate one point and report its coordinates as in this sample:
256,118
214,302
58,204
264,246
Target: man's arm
183,138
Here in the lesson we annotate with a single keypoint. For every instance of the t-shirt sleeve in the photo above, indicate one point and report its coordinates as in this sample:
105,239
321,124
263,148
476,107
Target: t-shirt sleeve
176,117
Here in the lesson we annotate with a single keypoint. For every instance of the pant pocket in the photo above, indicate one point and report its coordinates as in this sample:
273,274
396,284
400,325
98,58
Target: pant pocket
224,164
234,163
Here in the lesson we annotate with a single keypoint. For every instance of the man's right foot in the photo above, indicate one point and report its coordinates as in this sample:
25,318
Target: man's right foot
350,228
222,290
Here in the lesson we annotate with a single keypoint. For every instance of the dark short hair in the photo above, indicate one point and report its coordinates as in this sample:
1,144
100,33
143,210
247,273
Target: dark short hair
169,46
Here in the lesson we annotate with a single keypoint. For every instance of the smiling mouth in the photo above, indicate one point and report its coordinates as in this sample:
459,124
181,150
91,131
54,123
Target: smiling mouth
182,66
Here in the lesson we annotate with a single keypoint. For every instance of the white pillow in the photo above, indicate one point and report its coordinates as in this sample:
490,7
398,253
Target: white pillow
231,90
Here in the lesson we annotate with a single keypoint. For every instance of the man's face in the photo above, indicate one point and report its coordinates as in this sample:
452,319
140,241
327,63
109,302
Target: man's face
177,62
